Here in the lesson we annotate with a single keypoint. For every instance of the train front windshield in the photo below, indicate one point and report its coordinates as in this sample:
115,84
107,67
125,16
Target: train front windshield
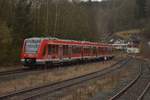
31,46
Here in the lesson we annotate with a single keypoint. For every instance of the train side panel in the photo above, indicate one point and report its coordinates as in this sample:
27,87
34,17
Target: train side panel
59,51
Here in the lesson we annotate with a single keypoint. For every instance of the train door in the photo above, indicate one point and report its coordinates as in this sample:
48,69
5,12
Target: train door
106,51
94,52
60,52
100,52
53,52
65,51
70,51
82,52
76,52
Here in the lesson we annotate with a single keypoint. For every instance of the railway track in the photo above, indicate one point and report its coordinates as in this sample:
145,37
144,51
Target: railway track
146,93
4,73
14,74
137,88
34,92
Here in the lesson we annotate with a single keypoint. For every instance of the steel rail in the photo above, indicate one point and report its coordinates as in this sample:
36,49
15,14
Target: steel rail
144,92
9,75
4,73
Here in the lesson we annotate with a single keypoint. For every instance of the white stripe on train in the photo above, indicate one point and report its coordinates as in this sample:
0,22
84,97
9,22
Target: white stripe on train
68,59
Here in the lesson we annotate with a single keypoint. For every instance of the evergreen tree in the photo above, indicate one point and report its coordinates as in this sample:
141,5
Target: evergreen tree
22,21
141,12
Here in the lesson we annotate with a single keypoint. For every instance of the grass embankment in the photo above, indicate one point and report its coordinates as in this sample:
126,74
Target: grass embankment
53,76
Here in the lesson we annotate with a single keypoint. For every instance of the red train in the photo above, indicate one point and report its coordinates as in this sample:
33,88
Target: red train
45,51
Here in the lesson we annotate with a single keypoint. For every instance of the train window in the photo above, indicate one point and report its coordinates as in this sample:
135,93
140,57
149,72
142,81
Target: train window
94,50
49,49
104,49
31,46
52,49
76,49
100,49
56,49
87,49
65,50
109,50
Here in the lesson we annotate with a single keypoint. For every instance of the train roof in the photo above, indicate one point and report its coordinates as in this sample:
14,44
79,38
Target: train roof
67,40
